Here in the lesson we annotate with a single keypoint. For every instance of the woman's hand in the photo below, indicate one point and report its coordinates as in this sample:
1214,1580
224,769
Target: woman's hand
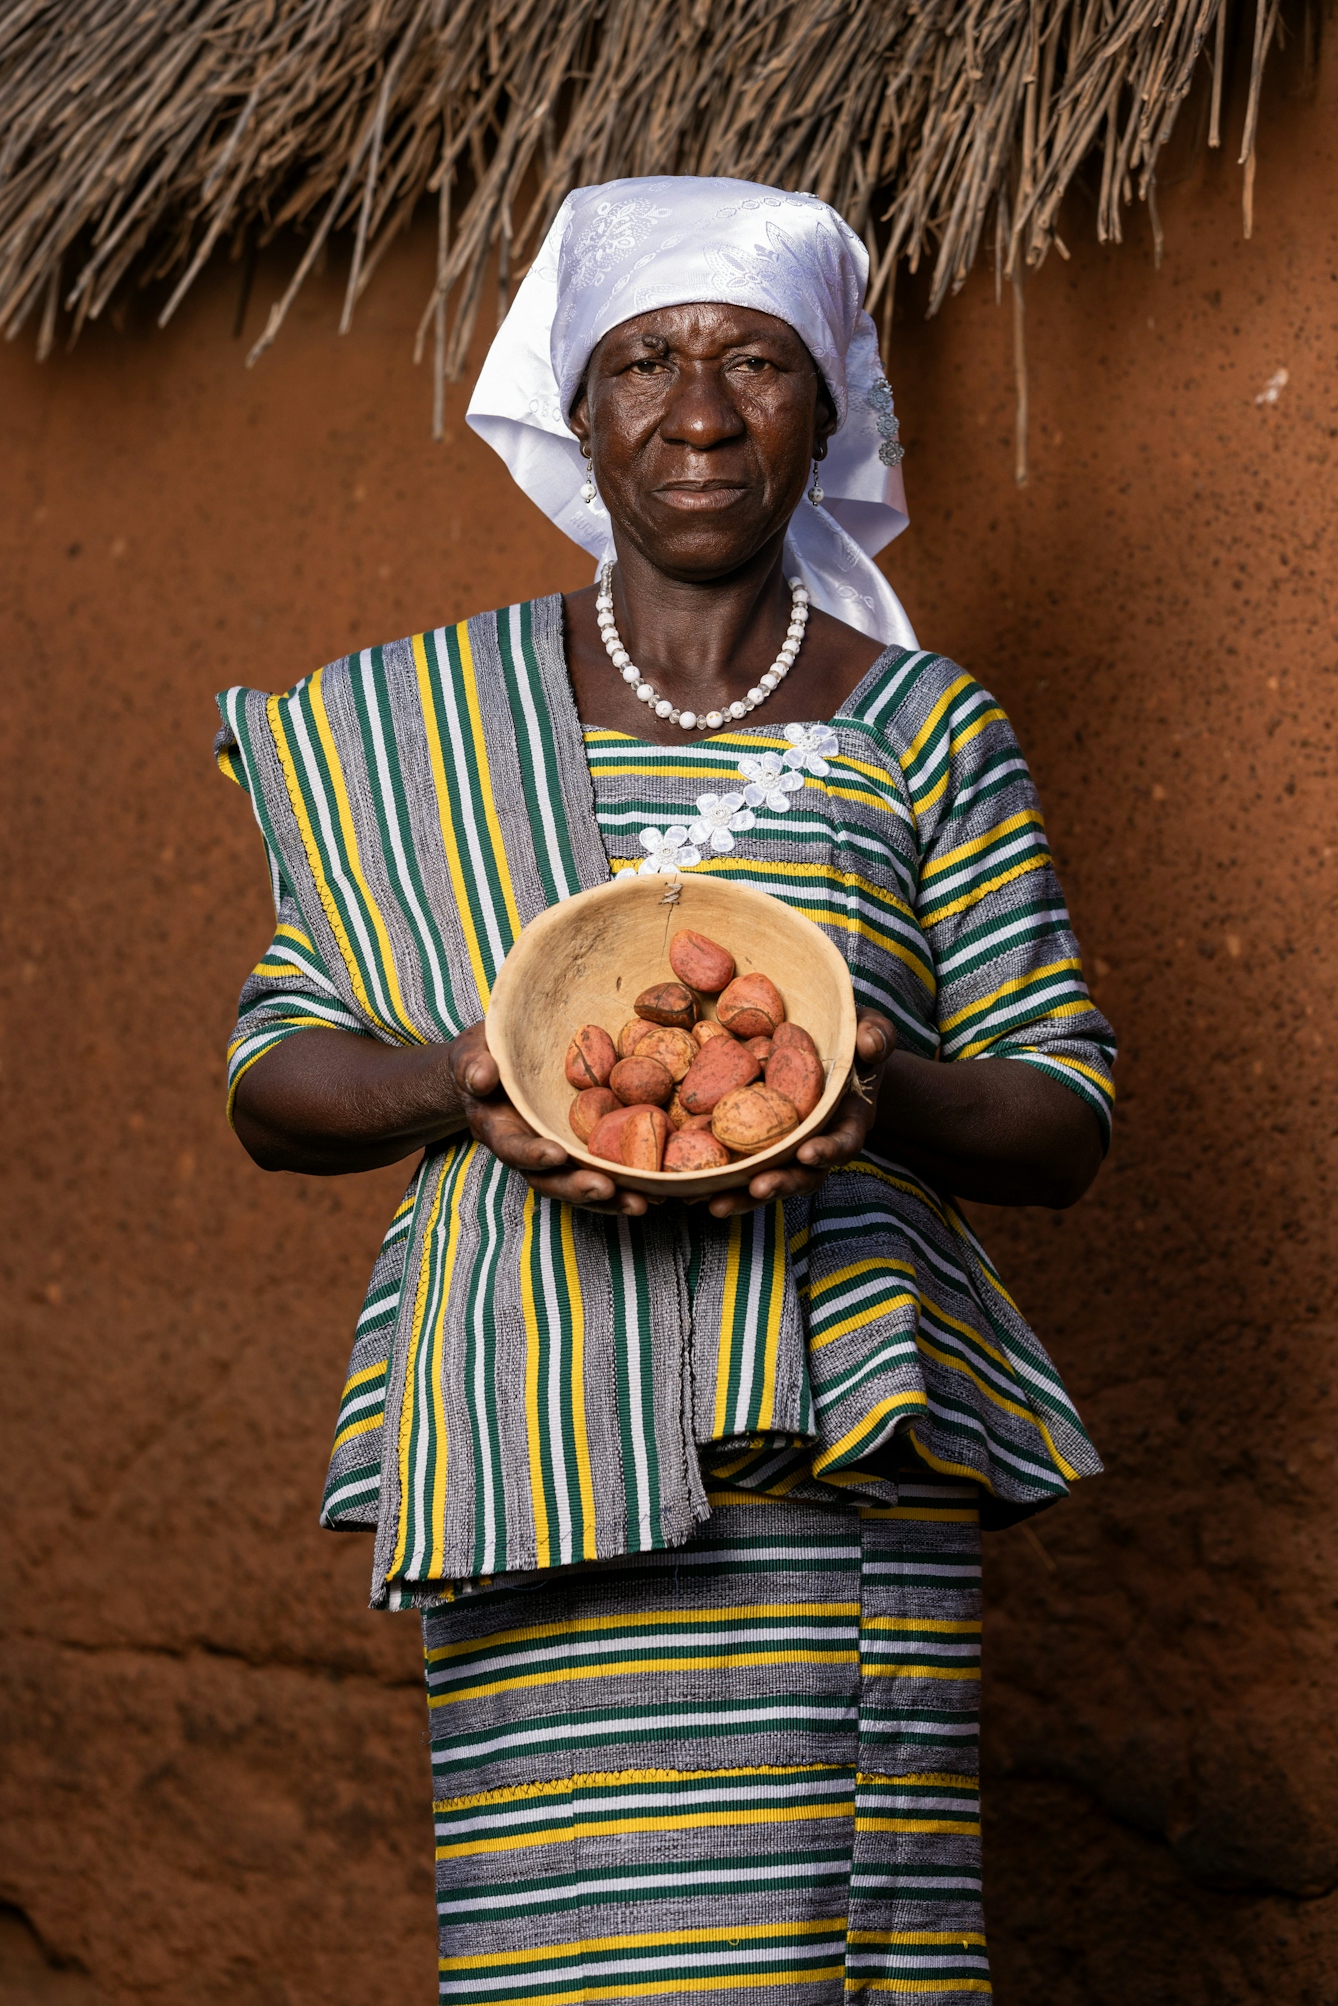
844,1135
546,1167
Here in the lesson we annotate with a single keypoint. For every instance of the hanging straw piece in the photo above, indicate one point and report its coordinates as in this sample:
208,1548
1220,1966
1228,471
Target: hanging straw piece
132,138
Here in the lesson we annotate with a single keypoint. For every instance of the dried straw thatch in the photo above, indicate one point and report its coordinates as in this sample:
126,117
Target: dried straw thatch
135,135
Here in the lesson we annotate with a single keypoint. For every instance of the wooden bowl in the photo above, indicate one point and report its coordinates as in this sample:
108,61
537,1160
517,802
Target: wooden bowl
583,962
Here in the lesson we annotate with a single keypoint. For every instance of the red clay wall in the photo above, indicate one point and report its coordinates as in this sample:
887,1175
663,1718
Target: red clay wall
215,1785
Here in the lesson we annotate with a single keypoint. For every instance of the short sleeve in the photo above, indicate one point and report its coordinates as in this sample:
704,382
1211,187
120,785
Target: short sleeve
1009,972
287,991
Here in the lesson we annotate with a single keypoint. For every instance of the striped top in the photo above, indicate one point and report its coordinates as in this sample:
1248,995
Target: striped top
420,802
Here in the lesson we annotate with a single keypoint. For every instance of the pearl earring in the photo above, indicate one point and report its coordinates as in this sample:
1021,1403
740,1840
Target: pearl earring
815,492
589,492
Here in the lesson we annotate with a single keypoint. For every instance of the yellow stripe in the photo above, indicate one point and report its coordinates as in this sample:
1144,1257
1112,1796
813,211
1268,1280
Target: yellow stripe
484,774
983,887
687,1821
775,1299
1010,988
1074,1065
389,973
454,861
941,1624
360,1378
584,1476
356,1428
586,1994
715,1661
329,906
437,1552
967,1828
723,1361
858,1318
921,1936
283,931
932,722
604,1779
411,1366
747,1612
1025,817
538,1505
952,1676
894,1404
871,1984
1077,1006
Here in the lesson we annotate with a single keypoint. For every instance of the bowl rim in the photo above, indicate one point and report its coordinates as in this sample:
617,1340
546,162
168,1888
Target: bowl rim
702,1183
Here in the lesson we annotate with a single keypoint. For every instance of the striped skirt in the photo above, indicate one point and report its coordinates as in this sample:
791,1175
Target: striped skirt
745,1765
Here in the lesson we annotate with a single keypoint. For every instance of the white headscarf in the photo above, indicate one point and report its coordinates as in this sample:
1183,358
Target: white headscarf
668,240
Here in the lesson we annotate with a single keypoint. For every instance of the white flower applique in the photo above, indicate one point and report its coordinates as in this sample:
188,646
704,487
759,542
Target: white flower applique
720,817
811,746
771,784
667,851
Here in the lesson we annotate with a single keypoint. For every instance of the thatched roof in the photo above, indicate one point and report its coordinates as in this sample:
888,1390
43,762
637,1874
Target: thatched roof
136,135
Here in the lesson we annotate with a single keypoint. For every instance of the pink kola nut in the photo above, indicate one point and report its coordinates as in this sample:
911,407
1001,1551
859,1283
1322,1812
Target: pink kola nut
606,1137
589,1108
707,1029
752,1118
667,1003
718,1069
798,1074
695,1149
590,1057
700,961
643,1138
794,1034
641,1081
751,1007
761,1048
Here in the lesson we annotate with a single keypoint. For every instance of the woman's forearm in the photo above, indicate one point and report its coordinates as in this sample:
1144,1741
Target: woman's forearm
326,1102
997,1130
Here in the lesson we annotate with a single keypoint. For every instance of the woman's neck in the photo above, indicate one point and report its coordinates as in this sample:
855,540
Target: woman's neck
704,645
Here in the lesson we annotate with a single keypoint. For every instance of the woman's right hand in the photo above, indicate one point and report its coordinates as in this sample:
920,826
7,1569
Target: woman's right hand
546,1167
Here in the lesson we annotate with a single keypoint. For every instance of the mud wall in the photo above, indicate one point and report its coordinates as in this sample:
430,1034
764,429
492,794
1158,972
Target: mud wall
215,1785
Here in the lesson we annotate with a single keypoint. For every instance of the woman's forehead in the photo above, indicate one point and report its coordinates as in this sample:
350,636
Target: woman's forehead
699,328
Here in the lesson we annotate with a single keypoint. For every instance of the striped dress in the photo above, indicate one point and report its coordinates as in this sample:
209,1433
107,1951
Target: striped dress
701,1593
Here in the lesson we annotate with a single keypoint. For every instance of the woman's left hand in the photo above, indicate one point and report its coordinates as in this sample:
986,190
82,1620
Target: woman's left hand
844,1135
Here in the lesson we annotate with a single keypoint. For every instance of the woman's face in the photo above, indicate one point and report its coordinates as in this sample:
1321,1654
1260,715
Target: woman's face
702,423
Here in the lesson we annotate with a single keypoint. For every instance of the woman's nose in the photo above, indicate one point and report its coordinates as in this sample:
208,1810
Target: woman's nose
700,412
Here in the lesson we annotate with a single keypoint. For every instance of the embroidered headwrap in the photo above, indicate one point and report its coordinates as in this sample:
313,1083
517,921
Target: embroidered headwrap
668,240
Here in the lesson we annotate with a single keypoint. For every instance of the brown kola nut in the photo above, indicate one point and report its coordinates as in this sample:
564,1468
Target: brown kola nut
606,1137
751,1007
717,1069
644,1137
700,962
695,1149
798,1075
707,1029
673,1048
589,1107
752,1118
794,1034
761,1048
667,1003
590,1057
640,1082
633,1031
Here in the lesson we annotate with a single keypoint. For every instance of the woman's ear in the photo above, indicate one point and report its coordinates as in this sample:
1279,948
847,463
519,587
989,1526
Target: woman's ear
824,421
579,415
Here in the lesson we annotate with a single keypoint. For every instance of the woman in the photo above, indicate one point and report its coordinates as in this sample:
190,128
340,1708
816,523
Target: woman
690,1497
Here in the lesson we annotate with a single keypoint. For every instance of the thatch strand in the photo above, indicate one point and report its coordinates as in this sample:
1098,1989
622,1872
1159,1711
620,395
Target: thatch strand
137,137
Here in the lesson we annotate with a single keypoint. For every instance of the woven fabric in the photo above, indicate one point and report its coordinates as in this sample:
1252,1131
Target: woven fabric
530,1384
747,1765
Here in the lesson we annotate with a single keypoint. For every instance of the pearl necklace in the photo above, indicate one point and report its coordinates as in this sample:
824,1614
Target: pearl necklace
711,720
